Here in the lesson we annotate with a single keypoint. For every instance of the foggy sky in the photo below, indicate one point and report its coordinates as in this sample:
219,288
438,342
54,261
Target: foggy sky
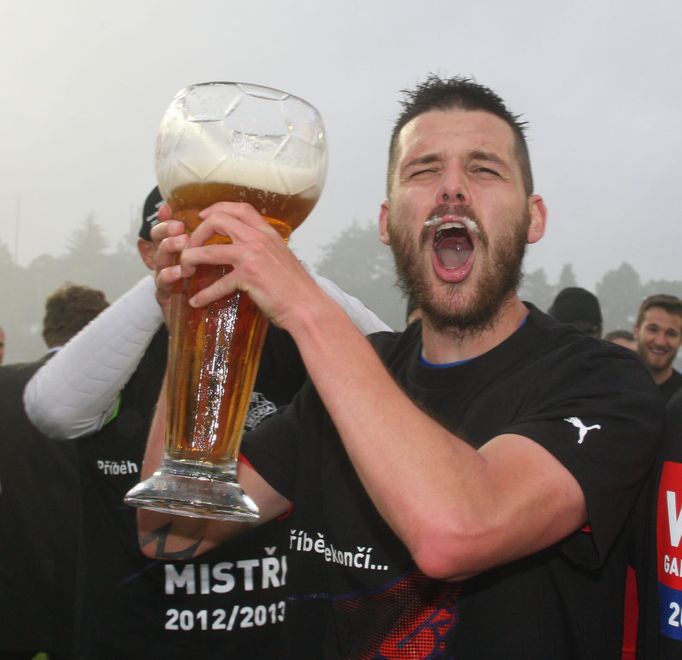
85,85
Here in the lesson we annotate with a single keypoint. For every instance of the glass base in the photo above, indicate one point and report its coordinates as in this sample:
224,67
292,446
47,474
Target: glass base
195,489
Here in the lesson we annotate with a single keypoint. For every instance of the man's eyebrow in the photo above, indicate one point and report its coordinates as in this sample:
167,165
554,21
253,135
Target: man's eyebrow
489,156
476,154
426,159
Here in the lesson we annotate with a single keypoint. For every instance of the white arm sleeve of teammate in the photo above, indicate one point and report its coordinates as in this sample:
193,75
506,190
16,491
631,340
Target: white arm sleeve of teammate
365,319
76,392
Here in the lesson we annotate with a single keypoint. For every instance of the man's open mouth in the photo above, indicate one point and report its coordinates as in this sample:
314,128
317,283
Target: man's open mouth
452,242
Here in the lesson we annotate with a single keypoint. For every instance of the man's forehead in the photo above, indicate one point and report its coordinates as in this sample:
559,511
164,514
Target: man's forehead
662,317
451,127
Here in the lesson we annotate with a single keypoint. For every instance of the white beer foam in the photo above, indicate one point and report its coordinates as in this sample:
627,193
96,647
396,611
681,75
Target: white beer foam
200,159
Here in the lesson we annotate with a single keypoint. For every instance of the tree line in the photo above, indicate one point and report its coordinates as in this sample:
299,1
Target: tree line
354,259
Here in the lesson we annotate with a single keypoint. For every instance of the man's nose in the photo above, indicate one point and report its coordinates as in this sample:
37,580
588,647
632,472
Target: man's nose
453,188
660,339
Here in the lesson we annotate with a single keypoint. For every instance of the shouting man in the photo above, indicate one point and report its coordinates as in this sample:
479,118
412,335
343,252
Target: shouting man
459,489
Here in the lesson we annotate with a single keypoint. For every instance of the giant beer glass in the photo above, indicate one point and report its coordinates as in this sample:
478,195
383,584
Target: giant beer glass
223,142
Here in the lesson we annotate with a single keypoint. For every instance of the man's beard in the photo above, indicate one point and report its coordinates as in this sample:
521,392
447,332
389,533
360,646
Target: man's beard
449,311
661,366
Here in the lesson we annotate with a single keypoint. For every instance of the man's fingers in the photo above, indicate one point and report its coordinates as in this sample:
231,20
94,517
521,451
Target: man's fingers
165,212
212,255
166,277
208,229
168,250
240,210
165,229
219,289
232,235
232,220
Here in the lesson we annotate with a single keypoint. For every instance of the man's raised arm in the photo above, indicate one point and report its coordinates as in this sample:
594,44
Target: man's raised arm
458,510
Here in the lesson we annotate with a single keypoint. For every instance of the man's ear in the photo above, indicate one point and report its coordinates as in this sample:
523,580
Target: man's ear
147,252
384,234
538,218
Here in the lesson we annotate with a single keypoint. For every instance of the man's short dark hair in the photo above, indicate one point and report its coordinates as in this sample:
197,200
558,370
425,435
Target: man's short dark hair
669,303
619,334
68,309
459,93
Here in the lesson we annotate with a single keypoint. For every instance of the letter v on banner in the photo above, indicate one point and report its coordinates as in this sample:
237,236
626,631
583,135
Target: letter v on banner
669,522
674,518
669,548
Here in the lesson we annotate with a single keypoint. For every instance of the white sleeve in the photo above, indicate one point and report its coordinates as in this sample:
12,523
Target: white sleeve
76,392
365,319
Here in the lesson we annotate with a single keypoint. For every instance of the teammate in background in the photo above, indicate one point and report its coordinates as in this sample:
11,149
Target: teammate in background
2,344
39,502
101,389
578,307
658,332
459,489
623,338
656,339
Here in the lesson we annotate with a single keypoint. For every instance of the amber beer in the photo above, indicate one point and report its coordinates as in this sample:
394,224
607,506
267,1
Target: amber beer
215,350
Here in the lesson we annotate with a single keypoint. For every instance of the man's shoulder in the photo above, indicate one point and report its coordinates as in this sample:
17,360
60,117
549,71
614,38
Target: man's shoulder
672,386
13,379
550,334
563,349
155,355
389,343
19,372
676,377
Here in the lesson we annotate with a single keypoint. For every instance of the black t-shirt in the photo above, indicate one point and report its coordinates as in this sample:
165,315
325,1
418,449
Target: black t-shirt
356,592
229,603
659,559
670,386
39,512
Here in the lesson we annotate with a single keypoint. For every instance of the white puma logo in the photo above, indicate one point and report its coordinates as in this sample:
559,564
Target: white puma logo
582,429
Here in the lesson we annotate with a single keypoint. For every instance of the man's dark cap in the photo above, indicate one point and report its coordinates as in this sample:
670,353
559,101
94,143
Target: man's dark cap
150,213
576,305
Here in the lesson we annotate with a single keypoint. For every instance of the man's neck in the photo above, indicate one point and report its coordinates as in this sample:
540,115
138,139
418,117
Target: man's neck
442,347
